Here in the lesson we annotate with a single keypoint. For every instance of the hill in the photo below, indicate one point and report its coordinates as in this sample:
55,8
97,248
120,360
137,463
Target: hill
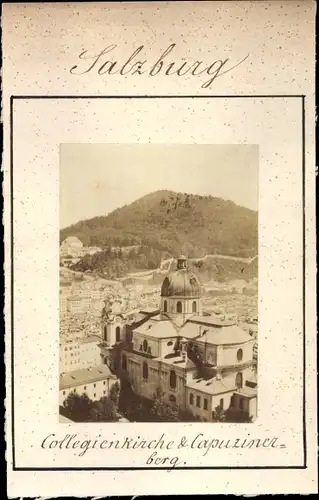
164,224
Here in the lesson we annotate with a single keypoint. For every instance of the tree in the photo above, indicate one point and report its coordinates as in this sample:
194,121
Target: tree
187,416
219,415
162,411
238,416
78,407
115,393
105,411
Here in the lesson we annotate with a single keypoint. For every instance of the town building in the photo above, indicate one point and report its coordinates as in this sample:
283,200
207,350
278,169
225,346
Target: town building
95,381
79,304
197,360
72,250
82,353
72,247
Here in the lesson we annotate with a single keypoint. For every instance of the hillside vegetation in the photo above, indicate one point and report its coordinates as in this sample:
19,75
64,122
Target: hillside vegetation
163,224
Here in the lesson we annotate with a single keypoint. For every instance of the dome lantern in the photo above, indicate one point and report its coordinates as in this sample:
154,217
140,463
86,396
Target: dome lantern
181,262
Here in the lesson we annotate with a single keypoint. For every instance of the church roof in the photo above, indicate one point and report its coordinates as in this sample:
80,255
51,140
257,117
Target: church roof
215,335
178,361
157,328
181,283
212,320
212,386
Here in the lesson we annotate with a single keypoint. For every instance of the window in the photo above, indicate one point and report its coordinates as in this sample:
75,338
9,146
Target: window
104,392
145,345
64,393
241,404
105,333
172,380
239,354
205,404
95,394
104,382
191,399
194,307
118,333
94,385
124,363
179,307
165,306
198,401
239,380
145,371
85,387
221,404
170,343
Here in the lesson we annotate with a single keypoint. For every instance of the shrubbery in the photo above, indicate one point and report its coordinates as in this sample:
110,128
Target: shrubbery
80,408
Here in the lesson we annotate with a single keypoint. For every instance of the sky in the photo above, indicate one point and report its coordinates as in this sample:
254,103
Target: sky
95,179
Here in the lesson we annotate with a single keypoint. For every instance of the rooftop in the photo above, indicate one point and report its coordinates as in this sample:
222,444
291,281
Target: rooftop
179,362
72,239
85,376
225,335
212,386
157,328
213,319
149,310
90,339
249,392
79,340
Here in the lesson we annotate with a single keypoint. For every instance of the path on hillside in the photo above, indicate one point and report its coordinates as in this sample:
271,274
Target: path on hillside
212,256
167,263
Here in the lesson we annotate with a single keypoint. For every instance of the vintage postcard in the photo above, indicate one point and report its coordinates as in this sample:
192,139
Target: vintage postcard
159,215
158,298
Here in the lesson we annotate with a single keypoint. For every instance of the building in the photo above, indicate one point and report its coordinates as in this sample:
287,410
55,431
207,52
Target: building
80,353
95,381
91,250
197,360
79,304
71,247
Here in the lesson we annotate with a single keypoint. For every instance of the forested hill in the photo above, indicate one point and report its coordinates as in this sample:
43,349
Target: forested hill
172,223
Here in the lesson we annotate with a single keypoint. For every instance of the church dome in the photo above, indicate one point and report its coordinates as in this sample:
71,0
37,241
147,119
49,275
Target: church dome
181,283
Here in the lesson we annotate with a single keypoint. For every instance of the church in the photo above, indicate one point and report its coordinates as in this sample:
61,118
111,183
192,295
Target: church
197,360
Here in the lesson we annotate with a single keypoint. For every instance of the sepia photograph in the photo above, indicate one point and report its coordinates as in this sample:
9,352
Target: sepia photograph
158,283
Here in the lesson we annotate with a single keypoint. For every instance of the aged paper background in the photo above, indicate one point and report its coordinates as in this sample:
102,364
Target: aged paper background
40,45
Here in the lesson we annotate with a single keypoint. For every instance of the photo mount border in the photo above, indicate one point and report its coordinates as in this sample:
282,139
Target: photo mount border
114,97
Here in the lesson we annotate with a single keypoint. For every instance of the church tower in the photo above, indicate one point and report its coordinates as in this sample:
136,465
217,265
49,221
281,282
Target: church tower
113,324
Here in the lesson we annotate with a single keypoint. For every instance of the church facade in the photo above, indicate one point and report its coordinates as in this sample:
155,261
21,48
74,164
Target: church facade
196,360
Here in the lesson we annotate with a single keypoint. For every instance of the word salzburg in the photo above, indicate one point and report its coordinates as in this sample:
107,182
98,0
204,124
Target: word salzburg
103,64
